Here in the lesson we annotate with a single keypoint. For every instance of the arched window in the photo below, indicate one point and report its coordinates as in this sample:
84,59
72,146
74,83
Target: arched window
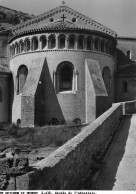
97,44
16,48
89,43
107,78
80,42
43,42
71,41
125,87
103,46
27,45
13,50
21,78
65,76
61,39
1,98
18,123
110,49
54,121
77,121
34,43
21,46
52,42
107,47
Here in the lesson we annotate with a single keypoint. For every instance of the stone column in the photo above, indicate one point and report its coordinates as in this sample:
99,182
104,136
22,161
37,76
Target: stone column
31,44
57,41
75,80
47,43
66,42
40,44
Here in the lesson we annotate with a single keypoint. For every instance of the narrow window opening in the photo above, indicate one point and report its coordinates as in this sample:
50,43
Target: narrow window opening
62,42
65,76
71,43
129,54
34,44
89,43
21,78
52,42
96,45
43,42
80,43
27,45
102,46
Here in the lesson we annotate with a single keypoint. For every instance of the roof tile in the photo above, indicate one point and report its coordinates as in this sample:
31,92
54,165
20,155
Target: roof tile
35,23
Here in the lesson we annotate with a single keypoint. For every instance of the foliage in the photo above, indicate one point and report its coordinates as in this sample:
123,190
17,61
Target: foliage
12,129
53,136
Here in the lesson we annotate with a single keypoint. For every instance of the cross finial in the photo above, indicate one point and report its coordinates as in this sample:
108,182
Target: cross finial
63,2
63,18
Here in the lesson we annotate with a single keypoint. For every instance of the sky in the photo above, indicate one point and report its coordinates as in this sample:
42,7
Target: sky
118,15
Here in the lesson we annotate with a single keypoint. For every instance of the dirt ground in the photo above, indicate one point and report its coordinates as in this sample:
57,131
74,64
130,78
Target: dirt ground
36,143
28,150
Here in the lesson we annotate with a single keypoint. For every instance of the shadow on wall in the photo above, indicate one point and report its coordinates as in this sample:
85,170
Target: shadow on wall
47,106
122,58
114,158
103,103
11,93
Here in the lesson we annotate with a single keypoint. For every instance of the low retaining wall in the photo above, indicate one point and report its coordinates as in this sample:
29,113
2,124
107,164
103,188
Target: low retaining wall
65,167
129,107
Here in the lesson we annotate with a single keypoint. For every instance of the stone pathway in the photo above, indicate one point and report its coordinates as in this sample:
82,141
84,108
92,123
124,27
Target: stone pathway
120,170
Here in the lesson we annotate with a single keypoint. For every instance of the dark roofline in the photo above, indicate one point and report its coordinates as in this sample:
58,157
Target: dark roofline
126,38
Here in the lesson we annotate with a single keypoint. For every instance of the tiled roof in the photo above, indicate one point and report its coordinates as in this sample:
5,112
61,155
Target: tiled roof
57,26
128,70
4,69
38,23
62,26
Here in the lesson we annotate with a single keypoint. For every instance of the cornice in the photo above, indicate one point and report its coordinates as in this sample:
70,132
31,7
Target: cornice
62,50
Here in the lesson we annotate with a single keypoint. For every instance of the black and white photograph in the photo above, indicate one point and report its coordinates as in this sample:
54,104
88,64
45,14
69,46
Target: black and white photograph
67,96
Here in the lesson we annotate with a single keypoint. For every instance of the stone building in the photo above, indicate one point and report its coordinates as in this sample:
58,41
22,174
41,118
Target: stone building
63,67
126,75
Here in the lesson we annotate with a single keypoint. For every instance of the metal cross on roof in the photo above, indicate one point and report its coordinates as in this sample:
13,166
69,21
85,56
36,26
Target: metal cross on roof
63,17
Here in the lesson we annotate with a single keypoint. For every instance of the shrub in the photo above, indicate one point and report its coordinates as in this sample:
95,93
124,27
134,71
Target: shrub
12,129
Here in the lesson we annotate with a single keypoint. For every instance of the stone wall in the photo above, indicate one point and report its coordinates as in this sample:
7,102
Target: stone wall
126,75
129,107
124,45
63,105
65,168
5,98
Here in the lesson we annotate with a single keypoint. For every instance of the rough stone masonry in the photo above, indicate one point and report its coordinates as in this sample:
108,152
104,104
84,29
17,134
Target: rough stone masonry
11,165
